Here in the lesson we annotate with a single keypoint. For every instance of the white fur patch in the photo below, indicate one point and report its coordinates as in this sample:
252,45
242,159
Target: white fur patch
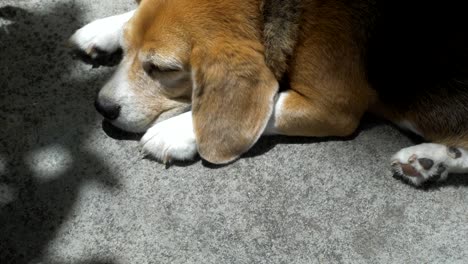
271,126
443,162
103,34
50,162
172,139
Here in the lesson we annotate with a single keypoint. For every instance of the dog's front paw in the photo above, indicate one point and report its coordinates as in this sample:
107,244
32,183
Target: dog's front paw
98,43
171,140
422,163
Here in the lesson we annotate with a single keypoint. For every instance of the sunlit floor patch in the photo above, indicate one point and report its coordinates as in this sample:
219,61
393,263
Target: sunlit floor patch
3,25
50,162
7,194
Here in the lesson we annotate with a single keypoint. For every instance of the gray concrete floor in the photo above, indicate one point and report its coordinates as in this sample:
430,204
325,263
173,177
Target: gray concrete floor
69,193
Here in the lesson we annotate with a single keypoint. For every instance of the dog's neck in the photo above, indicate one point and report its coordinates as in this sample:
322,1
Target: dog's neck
281,19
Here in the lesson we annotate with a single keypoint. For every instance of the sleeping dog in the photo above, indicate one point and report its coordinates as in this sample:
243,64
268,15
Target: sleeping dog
203,76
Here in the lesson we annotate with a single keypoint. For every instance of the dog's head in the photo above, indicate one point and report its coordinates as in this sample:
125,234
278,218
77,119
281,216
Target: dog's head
206,54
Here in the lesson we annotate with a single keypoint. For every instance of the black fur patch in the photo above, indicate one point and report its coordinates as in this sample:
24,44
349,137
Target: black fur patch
281,28
441,169
419,65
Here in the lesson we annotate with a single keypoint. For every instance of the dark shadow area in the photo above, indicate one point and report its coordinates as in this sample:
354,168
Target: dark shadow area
369,121
177,163
267,143
119,134
98,261
454,180
102,58
42,106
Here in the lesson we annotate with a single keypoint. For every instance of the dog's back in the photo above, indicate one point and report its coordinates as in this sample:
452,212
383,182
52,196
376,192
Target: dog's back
418,63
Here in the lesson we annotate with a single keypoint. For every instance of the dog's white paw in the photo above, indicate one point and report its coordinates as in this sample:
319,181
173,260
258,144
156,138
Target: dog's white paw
171,140
426,162
96,42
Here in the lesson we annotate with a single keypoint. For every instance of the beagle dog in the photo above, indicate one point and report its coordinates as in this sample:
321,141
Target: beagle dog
212,76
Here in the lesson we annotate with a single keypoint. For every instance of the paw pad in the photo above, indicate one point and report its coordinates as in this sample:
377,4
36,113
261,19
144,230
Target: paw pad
426,163
409,170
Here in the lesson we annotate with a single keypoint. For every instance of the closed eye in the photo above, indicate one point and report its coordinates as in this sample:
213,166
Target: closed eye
151,69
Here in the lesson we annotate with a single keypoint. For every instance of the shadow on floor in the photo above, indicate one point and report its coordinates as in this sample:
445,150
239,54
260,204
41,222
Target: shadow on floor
41,107
369,121
454,180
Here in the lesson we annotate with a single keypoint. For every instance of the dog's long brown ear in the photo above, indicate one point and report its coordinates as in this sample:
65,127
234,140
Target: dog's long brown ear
232,99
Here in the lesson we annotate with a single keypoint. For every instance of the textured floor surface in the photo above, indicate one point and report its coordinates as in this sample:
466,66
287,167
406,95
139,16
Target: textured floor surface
69,193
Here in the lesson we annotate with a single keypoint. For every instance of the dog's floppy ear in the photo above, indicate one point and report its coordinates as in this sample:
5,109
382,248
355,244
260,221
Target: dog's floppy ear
232,100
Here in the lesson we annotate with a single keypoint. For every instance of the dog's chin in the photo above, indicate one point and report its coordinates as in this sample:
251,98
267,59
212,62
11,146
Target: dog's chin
129,125
118,133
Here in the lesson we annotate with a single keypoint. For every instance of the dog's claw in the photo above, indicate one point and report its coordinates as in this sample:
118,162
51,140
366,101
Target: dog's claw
90,52
167,161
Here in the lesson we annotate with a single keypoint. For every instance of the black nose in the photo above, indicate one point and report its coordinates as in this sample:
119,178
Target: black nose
107,108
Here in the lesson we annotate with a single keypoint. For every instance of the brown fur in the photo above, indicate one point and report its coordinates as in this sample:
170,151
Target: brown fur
234,89
245,85
321,47
329,89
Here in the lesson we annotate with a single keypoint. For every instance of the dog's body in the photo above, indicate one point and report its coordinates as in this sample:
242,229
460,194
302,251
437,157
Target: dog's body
335,60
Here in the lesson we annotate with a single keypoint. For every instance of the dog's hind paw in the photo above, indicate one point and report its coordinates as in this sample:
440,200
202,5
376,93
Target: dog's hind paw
171,140
424,163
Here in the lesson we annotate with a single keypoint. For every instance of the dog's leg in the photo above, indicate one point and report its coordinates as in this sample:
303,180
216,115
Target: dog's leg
174,139
98,43
429,162
297,115
294,114
329,91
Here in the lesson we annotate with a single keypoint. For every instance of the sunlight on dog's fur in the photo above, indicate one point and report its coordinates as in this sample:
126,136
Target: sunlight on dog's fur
224,60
